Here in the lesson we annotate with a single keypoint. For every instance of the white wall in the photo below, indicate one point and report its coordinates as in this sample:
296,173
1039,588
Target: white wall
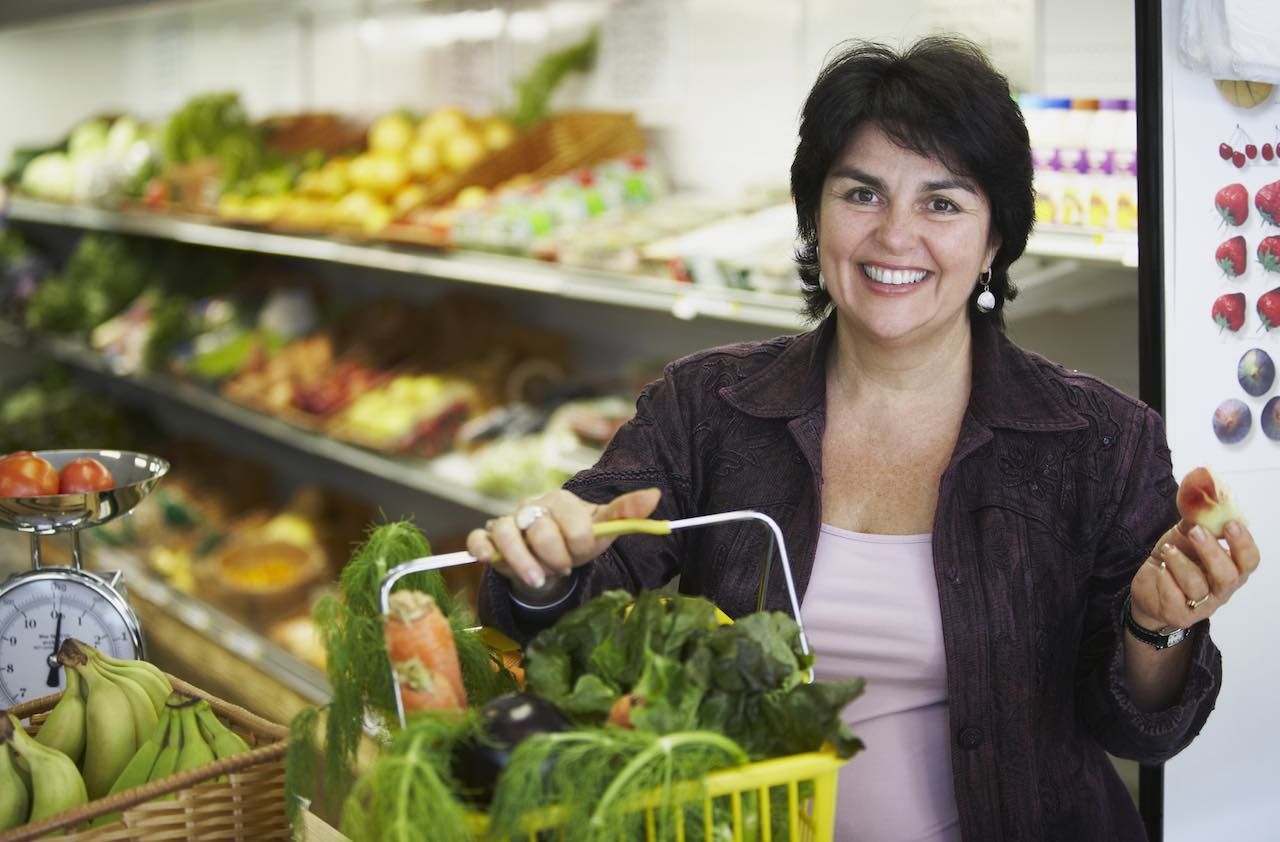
720,82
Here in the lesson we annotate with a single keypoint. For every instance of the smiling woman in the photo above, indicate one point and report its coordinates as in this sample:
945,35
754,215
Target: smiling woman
971,526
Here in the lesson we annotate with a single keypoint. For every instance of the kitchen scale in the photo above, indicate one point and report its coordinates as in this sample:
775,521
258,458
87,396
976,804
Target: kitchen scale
43,606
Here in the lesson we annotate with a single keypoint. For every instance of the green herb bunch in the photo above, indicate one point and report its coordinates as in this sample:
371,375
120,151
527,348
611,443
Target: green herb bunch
359,670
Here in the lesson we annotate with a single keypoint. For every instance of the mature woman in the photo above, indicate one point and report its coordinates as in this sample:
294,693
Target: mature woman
988,538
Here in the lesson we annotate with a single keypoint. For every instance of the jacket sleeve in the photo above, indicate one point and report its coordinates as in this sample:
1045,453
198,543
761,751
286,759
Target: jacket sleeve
1143,510
651,450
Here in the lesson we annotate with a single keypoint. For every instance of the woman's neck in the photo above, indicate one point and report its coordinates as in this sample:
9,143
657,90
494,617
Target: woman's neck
866,372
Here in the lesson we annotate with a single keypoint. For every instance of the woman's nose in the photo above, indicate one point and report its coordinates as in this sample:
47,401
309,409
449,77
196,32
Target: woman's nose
895,229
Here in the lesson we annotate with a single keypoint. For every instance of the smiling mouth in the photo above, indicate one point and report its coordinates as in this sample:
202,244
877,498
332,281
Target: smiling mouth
894,277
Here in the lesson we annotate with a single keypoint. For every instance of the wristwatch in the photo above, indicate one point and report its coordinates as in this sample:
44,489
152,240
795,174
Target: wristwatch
1154,639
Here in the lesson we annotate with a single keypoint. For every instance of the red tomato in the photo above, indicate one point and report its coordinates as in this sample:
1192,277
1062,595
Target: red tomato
84,474
24,474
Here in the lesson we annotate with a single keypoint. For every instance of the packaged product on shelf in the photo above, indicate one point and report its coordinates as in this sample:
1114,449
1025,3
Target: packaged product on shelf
744,250
1074,162
1046,119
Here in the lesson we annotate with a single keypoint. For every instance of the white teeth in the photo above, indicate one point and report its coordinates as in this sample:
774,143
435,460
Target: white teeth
893,276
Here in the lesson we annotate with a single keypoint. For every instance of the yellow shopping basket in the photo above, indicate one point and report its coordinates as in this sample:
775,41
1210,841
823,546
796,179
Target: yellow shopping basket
803,785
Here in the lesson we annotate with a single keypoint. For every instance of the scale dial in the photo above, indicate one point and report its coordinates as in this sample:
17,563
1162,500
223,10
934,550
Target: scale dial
39,610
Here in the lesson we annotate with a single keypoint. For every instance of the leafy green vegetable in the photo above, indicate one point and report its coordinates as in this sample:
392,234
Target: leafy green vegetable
359,670
582,783
533,93
687,672
407,794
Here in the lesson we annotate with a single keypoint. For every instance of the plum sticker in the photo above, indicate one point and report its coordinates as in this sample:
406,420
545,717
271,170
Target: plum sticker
1256,372
1231,421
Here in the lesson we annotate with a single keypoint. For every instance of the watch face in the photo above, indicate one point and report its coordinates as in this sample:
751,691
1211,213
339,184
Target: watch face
37,613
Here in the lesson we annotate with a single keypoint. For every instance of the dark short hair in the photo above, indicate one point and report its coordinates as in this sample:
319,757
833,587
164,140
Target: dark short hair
941,98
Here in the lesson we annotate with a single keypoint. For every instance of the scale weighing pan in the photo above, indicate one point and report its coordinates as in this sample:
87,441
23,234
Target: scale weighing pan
135,474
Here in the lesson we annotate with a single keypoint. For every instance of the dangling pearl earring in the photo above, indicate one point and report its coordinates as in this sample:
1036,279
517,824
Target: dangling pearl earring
986,298
817,258
822,282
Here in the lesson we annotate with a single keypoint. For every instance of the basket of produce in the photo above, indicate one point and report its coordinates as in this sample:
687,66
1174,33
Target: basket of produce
651,717
127,752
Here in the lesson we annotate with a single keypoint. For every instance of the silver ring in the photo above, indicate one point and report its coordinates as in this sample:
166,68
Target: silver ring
527,516
1193,604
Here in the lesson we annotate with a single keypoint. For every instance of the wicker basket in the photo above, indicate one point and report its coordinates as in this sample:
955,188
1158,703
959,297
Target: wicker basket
555,146
237,798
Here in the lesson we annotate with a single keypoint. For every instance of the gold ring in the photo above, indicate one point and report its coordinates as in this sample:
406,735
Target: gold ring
1193,604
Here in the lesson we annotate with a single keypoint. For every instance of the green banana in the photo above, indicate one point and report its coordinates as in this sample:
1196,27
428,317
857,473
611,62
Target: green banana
195,751
138,772
140,706
148,675
64,727
167,760
111,737
56,784
220,738
15,800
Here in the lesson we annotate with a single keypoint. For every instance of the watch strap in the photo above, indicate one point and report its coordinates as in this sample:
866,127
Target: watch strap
1154,639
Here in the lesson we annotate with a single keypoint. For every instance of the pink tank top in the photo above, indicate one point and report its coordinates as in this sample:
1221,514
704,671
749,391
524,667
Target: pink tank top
871,610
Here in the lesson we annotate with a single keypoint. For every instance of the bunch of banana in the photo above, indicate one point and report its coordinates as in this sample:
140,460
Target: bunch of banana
111,707
187,735
52,783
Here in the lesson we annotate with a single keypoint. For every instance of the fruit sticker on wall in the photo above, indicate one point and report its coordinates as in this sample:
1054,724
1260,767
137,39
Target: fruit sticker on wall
1243,93
1232,257
1270,420
1231,421
1267,201
1241,150
1256,372
1228,311
1268,308
1232,203
1269,254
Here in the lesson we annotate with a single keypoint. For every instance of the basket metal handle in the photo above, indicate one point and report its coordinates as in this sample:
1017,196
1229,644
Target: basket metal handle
610,528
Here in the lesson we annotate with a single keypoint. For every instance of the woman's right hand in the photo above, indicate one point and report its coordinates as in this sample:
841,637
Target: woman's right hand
557,538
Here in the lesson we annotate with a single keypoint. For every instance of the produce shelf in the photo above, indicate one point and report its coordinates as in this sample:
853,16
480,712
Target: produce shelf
682,300
414,474
182,630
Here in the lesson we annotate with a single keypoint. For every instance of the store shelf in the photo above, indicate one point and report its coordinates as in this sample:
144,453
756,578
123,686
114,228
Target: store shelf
684,301
414,474
1114,247
241,643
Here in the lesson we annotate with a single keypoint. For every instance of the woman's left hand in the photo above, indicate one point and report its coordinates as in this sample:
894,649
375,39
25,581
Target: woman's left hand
1190,575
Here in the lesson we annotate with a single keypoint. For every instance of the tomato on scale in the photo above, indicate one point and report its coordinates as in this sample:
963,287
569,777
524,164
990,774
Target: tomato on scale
65,491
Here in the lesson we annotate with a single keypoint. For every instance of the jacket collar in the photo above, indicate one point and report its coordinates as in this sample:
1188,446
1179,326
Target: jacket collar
1010,388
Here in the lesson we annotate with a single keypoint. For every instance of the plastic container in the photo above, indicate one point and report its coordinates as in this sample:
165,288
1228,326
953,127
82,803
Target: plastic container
1100,156
1125,168
1073,160
1046,122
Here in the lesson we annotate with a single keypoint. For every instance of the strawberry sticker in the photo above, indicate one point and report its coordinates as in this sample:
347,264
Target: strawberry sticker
1231,256
1269,253
1232,202
1267,201
1228,311
1268,307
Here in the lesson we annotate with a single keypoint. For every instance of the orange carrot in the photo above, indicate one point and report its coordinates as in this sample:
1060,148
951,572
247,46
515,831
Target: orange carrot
417,628
421,689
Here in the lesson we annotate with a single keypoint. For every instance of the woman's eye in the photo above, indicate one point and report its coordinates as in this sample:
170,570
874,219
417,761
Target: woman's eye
941,205
860,195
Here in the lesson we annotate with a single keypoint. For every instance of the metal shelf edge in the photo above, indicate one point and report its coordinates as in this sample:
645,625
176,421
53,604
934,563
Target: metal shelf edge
683,301
415,475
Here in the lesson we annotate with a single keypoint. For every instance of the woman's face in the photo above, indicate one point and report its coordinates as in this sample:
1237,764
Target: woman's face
901,239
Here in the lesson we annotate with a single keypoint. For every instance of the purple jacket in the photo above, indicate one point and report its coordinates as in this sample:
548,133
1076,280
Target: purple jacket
1058,489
